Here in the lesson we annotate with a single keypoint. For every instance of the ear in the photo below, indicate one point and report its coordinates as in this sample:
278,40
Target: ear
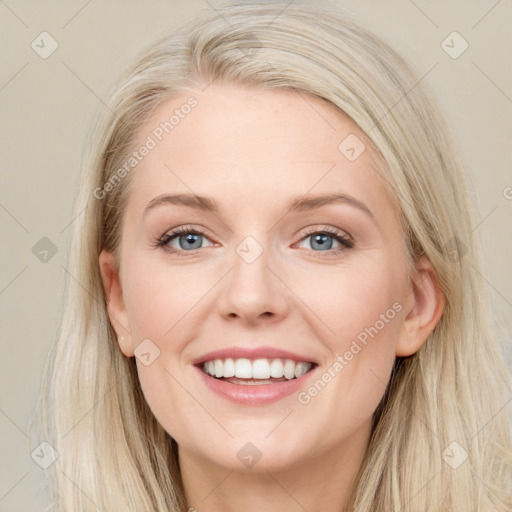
426,308
115,303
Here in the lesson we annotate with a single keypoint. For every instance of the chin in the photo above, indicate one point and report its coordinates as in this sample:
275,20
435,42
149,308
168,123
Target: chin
255,454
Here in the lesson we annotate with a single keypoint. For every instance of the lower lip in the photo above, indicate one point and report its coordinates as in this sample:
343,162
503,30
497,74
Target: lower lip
254,394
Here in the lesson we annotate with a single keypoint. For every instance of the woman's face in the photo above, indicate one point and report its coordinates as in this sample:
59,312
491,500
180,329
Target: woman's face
265,269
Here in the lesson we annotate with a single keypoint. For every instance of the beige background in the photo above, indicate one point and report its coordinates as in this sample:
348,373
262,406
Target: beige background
47,106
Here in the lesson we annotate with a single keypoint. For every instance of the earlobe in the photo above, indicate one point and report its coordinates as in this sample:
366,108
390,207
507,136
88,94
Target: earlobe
116,308
426,310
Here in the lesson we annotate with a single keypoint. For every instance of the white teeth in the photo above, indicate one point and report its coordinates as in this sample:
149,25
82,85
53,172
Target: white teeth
229,367
301,369
219,368
261,368
289,369
243,369
276,369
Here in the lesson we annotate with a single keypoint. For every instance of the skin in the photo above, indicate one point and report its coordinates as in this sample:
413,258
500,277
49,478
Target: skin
252,151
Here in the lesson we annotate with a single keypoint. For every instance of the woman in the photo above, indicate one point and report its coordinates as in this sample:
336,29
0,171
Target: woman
275,300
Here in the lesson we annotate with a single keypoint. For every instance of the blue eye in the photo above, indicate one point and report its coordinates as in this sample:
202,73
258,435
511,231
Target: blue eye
323,241
190,240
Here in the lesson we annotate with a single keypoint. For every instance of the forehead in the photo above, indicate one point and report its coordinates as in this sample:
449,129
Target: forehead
241,145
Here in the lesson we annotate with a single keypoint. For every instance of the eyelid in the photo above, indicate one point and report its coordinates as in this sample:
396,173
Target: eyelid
181,230
342,237
326,229
345,240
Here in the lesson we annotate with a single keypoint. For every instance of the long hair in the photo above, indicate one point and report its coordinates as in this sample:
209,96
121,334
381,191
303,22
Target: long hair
441,437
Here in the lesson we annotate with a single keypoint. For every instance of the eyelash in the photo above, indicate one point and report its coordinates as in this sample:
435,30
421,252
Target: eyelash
345,241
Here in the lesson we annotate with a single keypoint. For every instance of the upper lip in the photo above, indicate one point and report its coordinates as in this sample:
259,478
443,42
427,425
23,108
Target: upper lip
252,353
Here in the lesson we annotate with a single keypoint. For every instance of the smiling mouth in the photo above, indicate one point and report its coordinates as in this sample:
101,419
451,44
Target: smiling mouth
255,371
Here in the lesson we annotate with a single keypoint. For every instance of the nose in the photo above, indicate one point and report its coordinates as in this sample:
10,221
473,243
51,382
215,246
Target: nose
253,292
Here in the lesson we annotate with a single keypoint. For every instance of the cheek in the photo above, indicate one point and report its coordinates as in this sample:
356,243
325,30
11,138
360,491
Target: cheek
353,299
362,307
160,302
164,306
158,298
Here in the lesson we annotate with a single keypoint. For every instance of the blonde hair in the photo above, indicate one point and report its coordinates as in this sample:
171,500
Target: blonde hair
113,454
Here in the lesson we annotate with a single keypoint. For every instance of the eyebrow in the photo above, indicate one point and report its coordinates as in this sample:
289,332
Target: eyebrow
297,204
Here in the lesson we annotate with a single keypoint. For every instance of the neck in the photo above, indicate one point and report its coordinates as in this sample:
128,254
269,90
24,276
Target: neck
323,482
